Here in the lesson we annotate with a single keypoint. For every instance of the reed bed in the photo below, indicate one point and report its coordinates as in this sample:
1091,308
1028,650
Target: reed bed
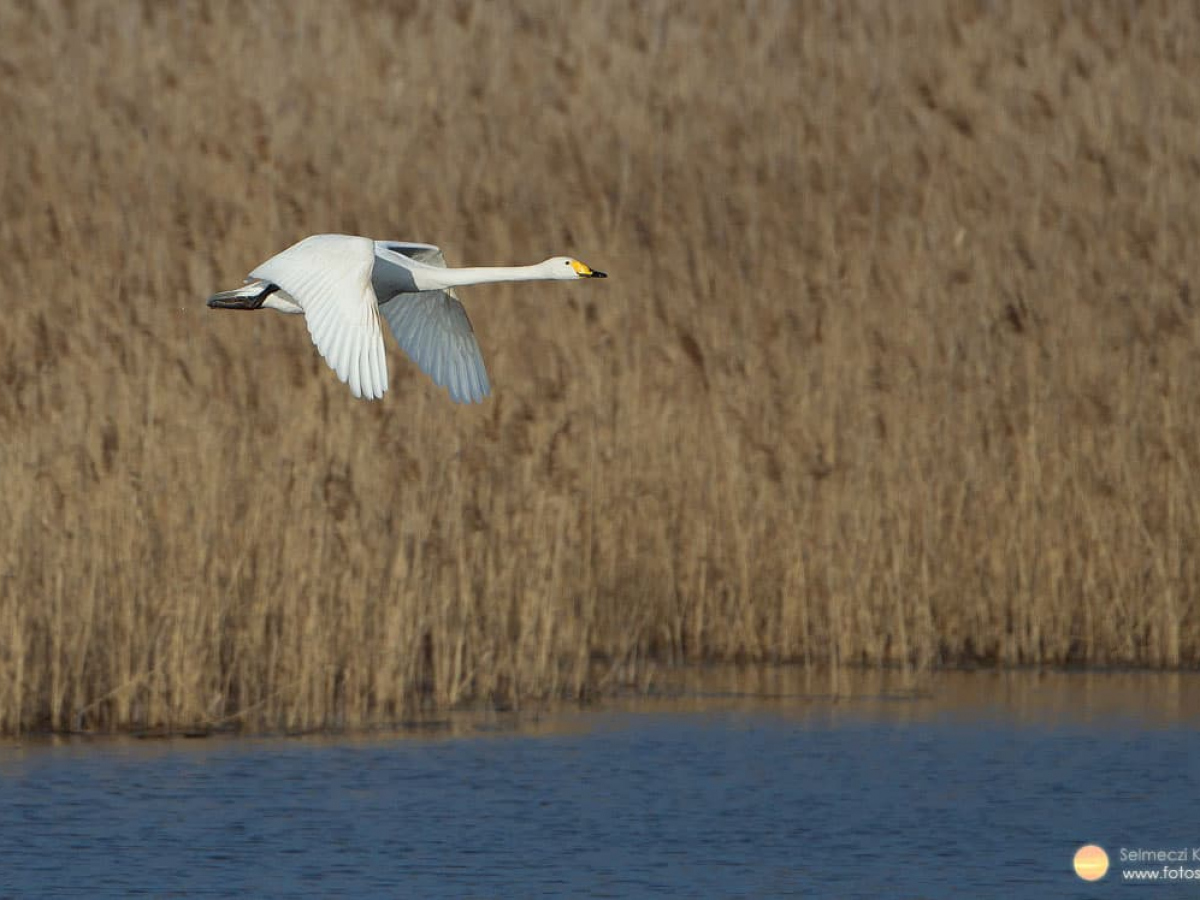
897,362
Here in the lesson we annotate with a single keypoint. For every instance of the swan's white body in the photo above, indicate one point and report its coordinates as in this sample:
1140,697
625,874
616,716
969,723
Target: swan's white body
341,284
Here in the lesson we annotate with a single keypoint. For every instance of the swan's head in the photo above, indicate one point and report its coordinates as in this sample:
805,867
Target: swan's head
565,268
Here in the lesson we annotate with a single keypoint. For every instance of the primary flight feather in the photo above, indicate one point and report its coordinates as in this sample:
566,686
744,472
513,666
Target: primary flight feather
341,284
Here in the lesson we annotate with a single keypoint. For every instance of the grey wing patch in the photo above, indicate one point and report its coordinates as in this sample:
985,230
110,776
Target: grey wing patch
433,329
422,253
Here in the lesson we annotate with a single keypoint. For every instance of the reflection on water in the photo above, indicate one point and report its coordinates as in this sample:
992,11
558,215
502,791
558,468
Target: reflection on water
1025,696
879,784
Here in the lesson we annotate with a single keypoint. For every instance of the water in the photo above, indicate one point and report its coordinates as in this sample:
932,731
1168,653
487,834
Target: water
985,790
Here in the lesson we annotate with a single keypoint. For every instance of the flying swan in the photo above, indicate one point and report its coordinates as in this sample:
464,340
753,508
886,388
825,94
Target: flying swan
342,283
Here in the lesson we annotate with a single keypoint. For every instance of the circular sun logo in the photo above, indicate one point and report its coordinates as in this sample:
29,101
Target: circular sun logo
1091,862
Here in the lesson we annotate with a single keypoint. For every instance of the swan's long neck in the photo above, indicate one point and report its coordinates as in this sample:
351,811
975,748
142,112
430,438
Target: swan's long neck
446,278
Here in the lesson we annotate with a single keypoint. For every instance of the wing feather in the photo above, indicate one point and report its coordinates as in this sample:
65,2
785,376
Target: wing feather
419,326
433,329
422,253
329,276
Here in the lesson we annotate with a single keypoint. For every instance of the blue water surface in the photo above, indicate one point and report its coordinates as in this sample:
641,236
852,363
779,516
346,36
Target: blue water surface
722,803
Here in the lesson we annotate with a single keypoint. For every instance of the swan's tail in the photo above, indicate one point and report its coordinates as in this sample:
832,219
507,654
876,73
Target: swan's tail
251,296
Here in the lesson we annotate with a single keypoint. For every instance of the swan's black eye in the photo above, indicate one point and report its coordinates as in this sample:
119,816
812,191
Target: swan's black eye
567,263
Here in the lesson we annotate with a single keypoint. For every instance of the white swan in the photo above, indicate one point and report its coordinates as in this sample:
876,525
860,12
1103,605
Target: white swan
339,282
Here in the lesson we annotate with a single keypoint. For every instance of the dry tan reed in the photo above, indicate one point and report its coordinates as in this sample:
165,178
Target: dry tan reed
897,363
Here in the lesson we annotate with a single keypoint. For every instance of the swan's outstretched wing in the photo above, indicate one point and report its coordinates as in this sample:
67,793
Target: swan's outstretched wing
432,327
434,331
329,276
